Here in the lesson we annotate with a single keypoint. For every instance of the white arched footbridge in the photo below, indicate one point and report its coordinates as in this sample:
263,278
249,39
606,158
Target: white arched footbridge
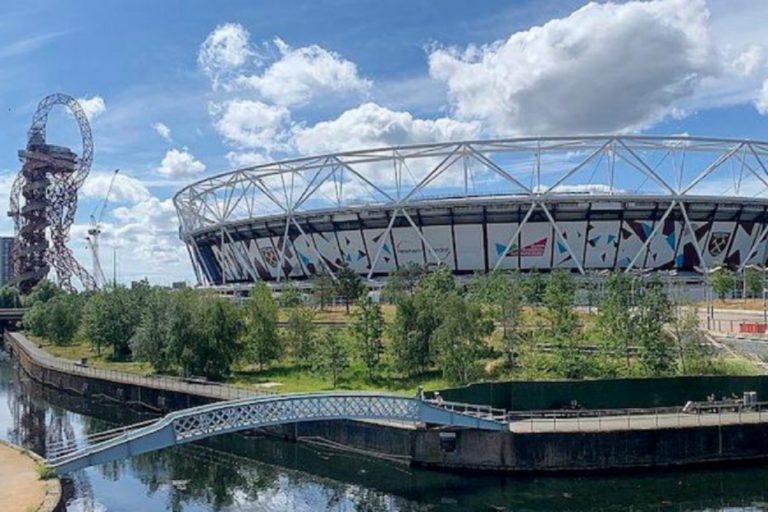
260,411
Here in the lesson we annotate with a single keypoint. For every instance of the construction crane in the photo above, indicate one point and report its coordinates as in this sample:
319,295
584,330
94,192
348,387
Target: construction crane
95,232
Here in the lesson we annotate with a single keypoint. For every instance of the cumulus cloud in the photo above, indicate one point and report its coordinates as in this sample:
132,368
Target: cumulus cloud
180,163
224,50
124,190
761,103
148,231
750,61
93,106
606,67
252,124
246,158
371,125
163,131
301,74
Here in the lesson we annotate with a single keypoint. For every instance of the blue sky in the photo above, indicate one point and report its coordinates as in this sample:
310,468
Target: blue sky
179,90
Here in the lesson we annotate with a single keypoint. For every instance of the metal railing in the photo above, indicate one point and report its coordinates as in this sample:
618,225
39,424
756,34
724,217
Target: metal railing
701,414
166,383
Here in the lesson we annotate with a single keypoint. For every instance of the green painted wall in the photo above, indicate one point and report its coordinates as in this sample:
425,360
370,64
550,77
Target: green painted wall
605,393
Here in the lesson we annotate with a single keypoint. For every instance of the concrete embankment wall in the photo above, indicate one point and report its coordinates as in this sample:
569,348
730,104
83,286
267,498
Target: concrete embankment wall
131,394
497,451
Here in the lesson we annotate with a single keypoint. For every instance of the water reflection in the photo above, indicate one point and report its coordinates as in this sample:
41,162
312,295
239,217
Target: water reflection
238,473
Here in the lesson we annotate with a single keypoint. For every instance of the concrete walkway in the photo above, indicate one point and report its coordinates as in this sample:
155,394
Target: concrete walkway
635,422
22,489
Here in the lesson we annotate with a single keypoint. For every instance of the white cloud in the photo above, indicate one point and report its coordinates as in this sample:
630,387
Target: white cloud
750,61
124,190
163,131
761,103
93,106
301,74
252,124
370,126
246,158
180,163
148,232
224,50
606,67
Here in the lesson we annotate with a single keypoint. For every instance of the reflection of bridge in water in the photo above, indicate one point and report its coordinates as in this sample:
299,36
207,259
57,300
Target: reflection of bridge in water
248,413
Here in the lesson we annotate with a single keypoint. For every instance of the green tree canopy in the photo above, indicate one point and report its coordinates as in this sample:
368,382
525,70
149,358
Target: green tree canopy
460,338
366,329
261,333
300,335
333,354
349,285
723,282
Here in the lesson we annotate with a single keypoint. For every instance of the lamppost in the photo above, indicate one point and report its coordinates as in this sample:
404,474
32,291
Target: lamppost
708,293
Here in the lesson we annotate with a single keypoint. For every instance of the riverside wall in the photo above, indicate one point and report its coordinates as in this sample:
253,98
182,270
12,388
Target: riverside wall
467,449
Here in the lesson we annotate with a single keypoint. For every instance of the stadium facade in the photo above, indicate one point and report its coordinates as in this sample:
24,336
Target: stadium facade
588,204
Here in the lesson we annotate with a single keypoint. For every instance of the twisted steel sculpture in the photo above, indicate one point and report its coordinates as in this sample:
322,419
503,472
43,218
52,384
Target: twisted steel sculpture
48,182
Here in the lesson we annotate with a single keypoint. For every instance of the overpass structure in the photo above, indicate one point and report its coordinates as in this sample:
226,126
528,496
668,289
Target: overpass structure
260,411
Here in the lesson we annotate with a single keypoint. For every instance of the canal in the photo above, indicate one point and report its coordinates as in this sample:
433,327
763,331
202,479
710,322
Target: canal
238,473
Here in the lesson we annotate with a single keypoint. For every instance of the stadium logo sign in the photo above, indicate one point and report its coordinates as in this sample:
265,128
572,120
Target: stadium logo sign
534,250
269,254
718,242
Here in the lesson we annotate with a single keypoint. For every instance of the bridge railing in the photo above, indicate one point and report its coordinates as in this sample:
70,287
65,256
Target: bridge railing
698,414
174,384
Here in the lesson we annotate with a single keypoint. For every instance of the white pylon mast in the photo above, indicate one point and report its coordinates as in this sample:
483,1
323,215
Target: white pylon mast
95,231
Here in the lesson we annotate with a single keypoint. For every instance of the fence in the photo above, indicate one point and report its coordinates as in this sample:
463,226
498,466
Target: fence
43,359
603,420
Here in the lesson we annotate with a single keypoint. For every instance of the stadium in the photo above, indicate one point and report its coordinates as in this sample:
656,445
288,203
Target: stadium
588,204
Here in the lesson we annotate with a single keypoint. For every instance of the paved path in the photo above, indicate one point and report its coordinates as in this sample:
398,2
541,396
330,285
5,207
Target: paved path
211,390
22,489
635,422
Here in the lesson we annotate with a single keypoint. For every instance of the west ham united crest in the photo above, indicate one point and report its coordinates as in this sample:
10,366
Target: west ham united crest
270,256
718,242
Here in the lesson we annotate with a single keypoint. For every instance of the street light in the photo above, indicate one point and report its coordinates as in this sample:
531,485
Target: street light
707,293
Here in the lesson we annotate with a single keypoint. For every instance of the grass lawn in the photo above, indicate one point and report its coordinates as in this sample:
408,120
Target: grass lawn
291,379
80,349
748,304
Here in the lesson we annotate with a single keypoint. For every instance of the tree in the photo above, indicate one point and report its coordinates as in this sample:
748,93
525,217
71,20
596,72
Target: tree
690,342
43,291
367,327
653,310
290,296
333,354
723,283
153,338
35,320
323,287
403,281
301,336
533,288
222,327
504,298
416,319
460,339
614,317
9,297
349,285
437,283
261,335
753,281
110,318
564,327
62,317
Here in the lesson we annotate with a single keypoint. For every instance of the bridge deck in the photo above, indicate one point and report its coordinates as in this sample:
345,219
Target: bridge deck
254,412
